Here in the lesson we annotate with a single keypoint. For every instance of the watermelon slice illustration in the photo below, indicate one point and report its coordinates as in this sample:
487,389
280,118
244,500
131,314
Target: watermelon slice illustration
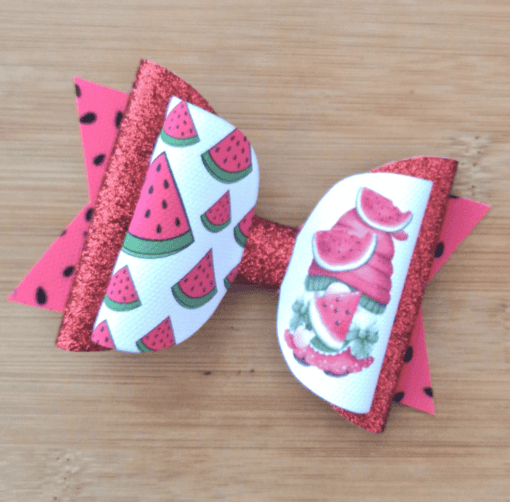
121,294
379,212
160,225
179,129
229,160
242,229
230,277
331,317
159,338
198,286
340,250
102,336
217,217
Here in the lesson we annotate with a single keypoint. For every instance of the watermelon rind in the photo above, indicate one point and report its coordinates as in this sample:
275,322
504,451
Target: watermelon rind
211,226
240,237
345,267
179,142
219,174
374,224
121,307
142,347
188,302
227,283
146,248
319,346
321,283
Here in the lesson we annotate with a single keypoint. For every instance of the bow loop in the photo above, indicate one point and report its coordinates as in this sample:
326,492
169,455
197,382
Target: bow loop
187,234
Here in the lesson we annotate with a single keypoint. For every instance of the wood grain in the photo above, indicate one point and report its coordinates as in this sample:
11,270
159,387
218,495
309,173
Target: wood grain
323,90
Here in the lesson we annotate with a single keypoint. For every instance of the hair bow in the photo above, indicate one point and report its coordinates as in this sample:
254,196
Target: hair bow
173,226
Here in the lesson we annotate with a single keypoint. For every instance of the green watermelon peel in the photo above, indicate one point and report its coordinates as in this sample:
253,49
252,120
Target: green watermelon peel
198,286
120,289
191,303
149,249
214,228
178,142
160,226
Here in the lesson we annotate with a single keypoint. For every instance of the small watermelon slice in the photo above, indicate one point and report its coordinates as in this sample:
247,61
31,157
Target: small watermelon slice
179,129
161,337
102,336
340,250
379,212
230,277
217,217
242,229
331,316
160,226
121,294
229,160
198,286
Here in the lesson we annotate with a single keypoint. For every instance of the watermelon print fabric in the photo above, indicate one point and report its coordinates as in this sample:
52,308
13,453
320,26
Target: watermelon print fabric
181,244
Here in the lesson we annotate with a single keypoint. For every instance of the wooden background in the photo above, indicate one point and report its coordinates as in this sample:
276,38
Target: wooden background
323,90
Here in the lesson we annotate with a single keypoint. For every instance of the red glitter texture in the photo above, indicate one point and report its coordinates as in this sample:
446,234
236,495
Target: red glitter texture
116,202
267,254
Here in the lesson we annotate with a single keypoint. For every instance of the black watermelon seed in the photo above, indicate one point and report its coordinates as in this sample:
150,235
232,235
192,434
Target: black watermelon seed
147,213
409,354
41,296
165,184
177,222
77,90
398,397
151,189
68,271
99,159
439,250
118,119
164,204
428,391
89,213
158,229
454,196
88,118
